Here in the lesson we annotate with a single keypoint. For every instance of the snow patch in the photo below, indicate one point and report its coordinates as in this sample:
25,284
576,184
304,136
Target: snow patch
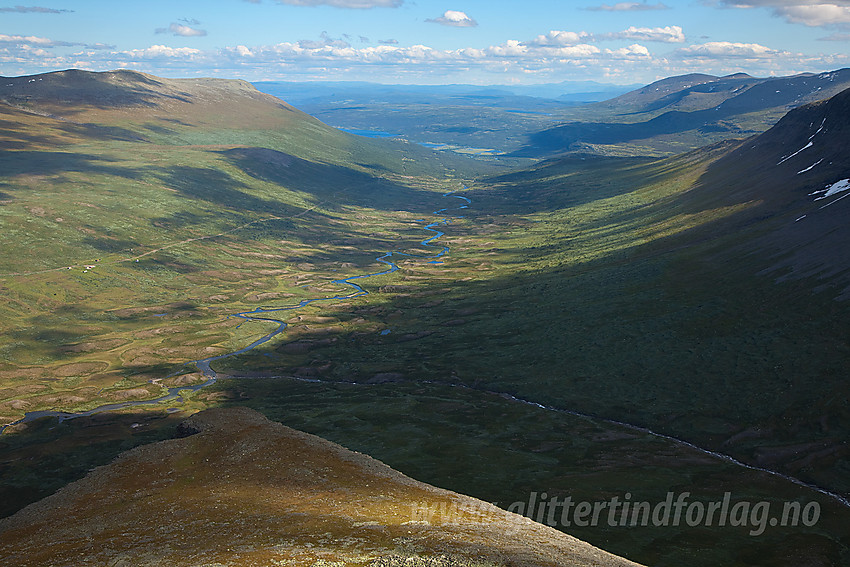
810,167
819,129
786,158
834,189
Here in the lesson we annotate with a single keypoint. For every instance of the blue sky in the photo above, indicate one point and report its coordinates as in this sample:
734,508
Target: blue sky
427,42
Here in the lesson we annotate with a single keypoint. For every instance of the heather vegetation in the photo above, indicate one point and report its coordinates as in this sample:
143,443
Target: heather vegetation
634,303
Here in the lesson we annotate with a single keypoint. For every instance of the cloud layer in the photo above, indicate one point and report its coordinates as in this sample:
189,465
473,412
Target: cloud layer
629,7
32,9
627,56
814,13
355,4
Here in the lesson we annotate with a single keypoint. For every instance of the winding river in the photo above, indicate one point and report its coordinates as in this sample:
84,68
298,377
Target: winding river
263,314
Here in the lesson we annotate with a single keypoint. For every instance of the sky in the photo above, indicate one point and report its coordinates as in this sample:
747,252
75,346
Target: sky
427,41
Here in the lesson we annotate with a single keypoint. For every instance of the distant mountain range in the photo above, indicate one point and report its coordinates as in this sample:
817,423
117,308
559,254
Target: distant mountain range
300,92
667,117
681,113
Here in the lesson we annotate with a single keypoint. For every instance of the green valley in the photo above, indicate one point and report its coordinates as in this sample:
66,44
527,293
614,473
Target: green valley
598,324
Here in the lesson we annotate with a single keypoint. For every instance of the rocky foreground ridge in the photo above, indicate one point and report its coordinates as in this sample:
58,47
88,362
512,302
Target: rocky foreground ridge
238,489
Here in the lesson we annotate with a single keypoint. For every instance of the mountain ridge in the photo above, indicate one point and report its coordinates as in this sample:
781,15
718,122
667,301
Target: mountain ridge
682,113
282,497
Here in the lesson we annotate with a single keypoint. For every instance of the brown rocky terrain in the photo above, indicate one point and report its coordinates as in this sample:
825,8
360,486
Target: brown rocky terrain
237,489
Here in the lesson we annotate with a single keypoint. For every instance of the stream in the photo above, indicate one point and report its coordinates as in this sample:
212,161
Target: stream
257,314
204,364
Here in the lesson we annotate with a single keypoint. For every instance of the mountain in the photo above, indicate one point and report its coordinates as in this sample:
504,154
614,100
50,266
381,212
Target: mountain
128,106
797,171
469,119
238,489
725,275
681,113
590,326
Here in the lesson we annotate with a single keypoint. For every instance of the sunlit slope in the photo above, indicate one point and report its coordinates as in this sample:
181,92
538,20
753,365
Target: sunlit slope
136,211
242,490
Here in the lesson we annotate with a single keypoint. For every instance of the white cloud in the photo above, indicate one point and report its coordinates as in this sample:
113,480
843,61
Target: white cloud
667,34
30,40
182,30
629,7
163,51
511,48
557,38
455,19
356,4
817,15
634,51
581,51
725,49
813,13
33,9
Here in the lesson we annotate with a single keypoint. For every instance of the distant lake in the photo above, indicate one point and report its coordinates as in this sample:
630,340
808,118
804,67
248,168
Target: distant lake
368,133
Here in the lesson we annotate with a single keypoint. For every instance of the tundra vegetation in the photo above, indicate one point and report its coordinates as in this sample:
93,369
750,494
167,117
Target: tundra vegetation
139,214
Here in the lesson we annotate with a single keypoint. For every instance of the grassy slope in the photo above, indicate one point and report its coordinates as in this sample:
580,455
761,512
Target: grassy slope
276,496
138,183
584,284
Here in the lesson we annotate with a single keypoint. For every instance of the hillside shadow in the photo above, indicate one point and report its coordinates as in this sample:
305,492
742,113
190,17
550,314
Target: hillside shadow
109,245
562,183
87,89
51,163
218,187
18,132
41,457
100,132
561,138
323,181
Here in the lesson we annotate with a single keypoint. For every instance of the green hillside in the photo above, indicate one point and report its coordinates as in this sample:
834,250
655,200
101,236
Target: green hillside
126,196
598,325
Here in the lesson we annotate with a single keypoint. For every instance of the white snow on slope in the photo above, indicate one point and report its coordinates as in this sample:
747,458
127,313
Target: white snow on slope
819,129
786,158
835,188
810,167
